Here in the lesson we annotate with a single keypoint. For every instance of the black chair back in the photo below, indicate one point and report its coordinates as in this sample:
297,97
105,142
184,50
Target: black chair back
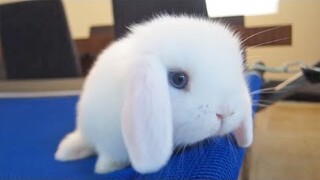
36,41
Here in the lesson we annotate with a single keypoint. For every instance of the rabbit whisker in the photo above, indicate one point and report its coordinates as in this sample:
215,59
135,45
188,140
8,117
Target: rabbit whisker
263,90
268,42
260,105
261,32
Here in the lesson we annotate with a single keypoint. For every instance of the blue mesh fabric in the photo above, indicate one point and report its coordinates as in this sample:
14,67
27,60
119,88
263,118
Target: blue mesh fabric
31,128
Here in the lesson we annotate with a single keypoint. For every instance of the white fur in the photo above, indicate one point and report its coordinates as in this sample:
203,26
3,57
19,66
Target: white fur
146,117
128,112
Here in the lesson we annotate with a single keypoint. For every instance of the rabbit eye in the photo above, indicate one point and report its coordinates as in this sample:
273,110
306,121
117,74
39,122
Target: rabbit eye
178,80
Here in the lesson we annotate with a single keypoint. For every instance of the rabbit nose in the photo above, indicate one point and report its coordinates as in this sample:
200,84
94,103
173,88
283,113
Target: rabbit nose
221,115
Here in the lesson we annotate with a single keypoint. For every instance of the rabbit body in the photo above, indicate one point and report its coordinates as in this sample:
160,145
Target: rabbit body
128,111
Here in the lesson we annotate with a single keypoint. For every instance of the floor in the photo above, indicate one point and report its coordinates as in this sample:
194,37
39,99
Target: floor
286,144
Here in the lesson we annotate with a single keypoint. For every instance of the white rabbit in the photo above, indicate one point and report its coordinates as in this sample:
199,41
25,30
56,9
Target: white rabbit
173,80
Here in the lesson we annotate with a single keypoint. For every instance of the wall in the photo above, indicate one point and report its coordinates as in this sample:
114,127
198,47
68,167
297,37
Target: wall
304,18
10,1
302,15
83,14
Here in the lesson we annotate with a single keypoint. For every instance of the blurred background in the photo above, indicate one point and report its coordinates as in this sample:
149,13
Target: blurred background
51,45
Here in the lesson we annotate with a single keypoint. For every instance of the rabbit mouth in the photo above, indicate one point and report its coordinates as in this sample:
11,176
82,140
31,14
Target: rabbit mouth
223,126
223,119
220,117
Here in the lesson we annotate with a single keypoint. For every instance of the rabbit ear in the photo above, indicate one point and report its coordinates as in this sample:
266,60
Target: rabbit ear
244,133
146,118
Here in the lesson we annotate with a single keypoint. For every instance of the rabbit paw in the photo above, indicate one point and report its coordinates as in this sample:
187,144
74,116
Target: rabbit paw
73,147
106,165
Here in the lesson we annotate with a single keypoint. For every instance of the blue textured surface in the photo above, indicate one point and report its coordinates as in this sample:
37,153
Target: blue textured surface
30,130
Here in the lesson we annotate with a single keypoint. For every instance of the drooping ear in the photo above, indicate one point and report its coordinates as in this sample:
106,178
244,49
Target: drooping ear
146,118
244,133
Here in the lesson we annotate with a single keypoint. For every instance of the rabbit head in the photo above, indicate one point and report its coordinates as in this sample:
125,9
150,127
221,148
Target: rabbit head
185,85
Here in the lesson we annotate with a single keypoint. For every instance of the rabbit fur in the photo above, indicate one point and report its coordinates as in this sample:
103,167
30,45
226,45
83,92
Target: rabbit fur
129,113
